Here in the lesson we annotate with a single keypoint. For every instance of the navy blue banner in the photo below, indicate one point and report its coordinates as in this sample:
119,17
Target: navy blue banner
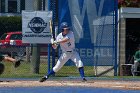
93,23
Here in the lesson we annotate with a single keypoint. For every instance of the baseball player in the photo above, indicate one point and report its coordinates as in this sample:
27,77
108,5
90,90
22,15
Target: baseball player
67,44
137,59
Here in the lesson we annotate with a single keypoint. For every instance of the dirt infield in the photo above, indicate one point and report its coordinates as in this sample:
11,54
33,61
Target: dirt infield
131,85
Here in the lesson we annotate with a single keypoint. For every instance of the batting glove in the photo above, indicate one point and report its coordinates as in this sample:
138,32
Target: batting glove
55,42
52,41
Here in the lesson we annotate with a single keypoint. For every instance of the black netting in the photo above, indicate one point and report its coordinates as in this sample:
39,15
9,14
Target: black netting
97,56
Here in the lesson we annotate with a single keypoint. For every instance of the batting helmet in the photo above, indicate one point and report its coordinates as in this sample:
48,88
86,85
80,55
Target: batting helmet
64,25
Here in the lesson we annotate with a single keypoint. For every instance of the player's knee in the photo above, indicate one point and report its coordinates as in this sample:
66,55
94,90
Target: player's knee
80,64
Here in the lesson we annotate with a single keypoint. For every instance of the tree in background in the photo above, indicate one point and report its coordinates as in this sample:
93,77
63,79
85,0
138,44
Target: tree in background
129,3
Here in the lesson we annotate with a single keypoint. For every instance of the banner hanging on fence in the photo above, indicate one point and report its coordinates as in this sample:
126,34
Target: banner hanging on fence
93,23
35,27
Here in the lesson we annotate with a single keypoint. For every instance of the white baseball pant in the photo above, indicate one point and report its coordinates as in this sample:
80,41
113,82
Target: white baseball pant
65,56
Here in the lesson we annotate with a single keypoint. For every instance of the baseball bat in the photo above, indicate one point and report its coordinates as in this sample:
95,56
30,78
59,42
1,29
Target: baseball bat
51,31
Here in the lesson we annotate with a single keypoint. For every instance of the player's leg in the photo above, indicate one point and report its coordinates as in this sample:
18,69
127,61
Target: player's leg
61,61
57,67
136,63
79,64
1,57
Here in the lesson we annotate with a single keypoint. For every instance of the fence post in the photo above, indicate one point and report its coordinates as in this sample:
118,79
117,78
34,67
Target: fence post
28,52
36,50
116,38
54,19
49,8
35,59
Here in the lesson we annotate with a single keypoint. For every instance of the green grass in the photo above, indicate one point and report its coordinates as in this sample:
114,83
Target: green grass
24,71
73,71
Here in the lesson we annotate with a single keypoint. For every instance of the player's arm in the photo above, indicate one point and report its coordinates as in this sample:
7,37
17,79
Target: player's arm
57,42
63,40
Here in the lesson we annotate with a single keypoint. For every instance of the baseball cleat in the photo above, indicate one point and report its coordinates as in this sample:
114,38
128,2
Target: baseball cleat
84,80
43,79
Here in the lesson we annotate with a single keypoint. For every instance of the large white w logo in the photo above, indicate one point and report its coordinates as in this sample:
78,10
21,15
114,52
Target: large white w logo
90,7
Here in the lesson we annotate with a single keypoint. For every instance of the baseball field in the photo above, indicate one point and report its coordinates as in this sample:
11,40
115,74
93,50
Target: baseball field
17,80
70,85
72,82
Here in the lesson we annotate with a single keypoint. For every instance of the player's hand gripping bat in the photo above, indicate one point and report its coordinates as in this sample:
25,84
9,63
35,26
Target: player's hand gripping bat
53,42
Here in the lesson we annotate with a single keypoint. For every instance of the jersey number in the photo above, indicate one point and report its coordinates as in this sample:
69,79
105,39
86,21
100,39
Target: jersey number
69,44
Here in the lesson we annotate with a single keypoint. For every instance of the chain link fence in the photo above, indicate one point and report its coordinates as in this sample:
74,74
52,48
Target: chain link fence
10,8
